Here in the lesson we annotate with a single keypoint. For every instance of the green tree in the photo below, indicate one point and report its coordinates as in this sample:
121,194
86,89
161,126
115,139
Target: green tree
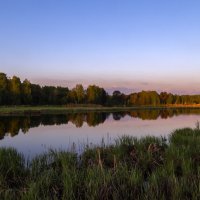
36,94
163,97
26,92
96,95
170,99
178,99
133,99
73,96
118,98
15,89
61,94
80,93
3,89
154,98
148,98
49,95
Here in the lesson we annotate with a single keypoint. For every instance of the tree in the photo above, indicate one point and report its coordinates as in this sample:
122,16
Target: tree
3,89
163,97
154,98
36,94
118,98
15,89
170,99
80,93
178,99
96,95
49,95
133,99
73,97
26,92
148,98
61,95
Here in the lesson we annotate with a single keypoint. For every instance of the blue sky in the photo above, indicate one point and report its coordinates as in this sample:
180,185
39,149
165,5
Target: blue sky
131,45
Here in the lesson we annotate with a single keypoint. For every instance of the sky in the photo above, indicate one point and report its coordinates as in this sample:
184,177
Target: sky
130,45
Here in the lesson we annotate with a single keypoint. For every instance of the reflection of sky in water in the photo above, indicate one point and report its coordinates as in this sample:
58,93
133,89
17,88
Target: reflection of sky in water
39,139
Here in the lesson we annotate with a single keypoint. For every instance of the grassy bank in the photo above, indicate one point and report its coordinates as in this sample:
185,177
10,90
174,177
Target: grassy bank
39,110
147,168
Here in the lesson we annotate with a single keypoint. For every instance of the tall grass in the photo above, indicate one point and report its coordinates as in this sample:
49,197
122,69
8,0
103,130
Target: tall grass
146,168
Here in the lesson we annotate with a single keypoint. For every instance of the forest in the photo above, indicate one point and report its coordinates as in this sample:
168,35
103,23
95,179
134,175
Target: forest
13,91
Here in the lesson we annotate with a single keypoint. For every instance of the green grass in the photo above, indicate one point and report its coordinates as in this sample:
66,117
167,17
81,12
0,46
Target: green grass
146,168
39,110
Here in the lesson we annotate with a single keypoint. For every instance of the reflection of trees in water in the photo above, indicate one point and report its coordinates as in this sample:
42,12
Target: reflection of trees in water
53,119
153,114
77,119
119,115
164,114
94,119
2,129
148,114
26,123
13,124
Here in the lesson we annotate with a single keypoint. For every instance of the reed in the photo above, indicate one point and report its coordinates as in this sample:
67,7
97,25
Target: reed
146,168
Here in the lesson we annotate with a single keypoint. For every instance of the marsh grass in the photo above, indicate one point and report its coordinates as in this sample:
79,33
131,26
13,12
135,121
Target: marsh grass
146,168
82,108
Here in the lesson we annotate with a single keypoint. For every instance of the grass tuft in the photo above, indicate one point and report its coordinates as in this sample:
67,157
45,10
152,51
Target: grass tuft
146,168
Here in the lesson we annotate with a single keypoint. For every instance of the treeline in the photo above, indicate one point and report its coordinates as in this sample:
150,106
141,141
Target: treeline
15,92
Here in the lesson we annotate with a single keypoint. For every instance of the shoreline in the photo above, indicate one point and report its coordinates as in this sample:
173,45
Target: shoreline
41,110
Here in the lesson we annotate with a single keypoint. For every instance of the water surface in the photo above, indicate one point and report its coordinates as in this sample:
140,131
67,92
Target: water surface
36,134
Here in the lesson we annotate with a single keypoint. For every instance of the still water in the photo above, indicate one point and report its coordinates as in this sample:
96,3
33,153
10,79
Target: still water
33,135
